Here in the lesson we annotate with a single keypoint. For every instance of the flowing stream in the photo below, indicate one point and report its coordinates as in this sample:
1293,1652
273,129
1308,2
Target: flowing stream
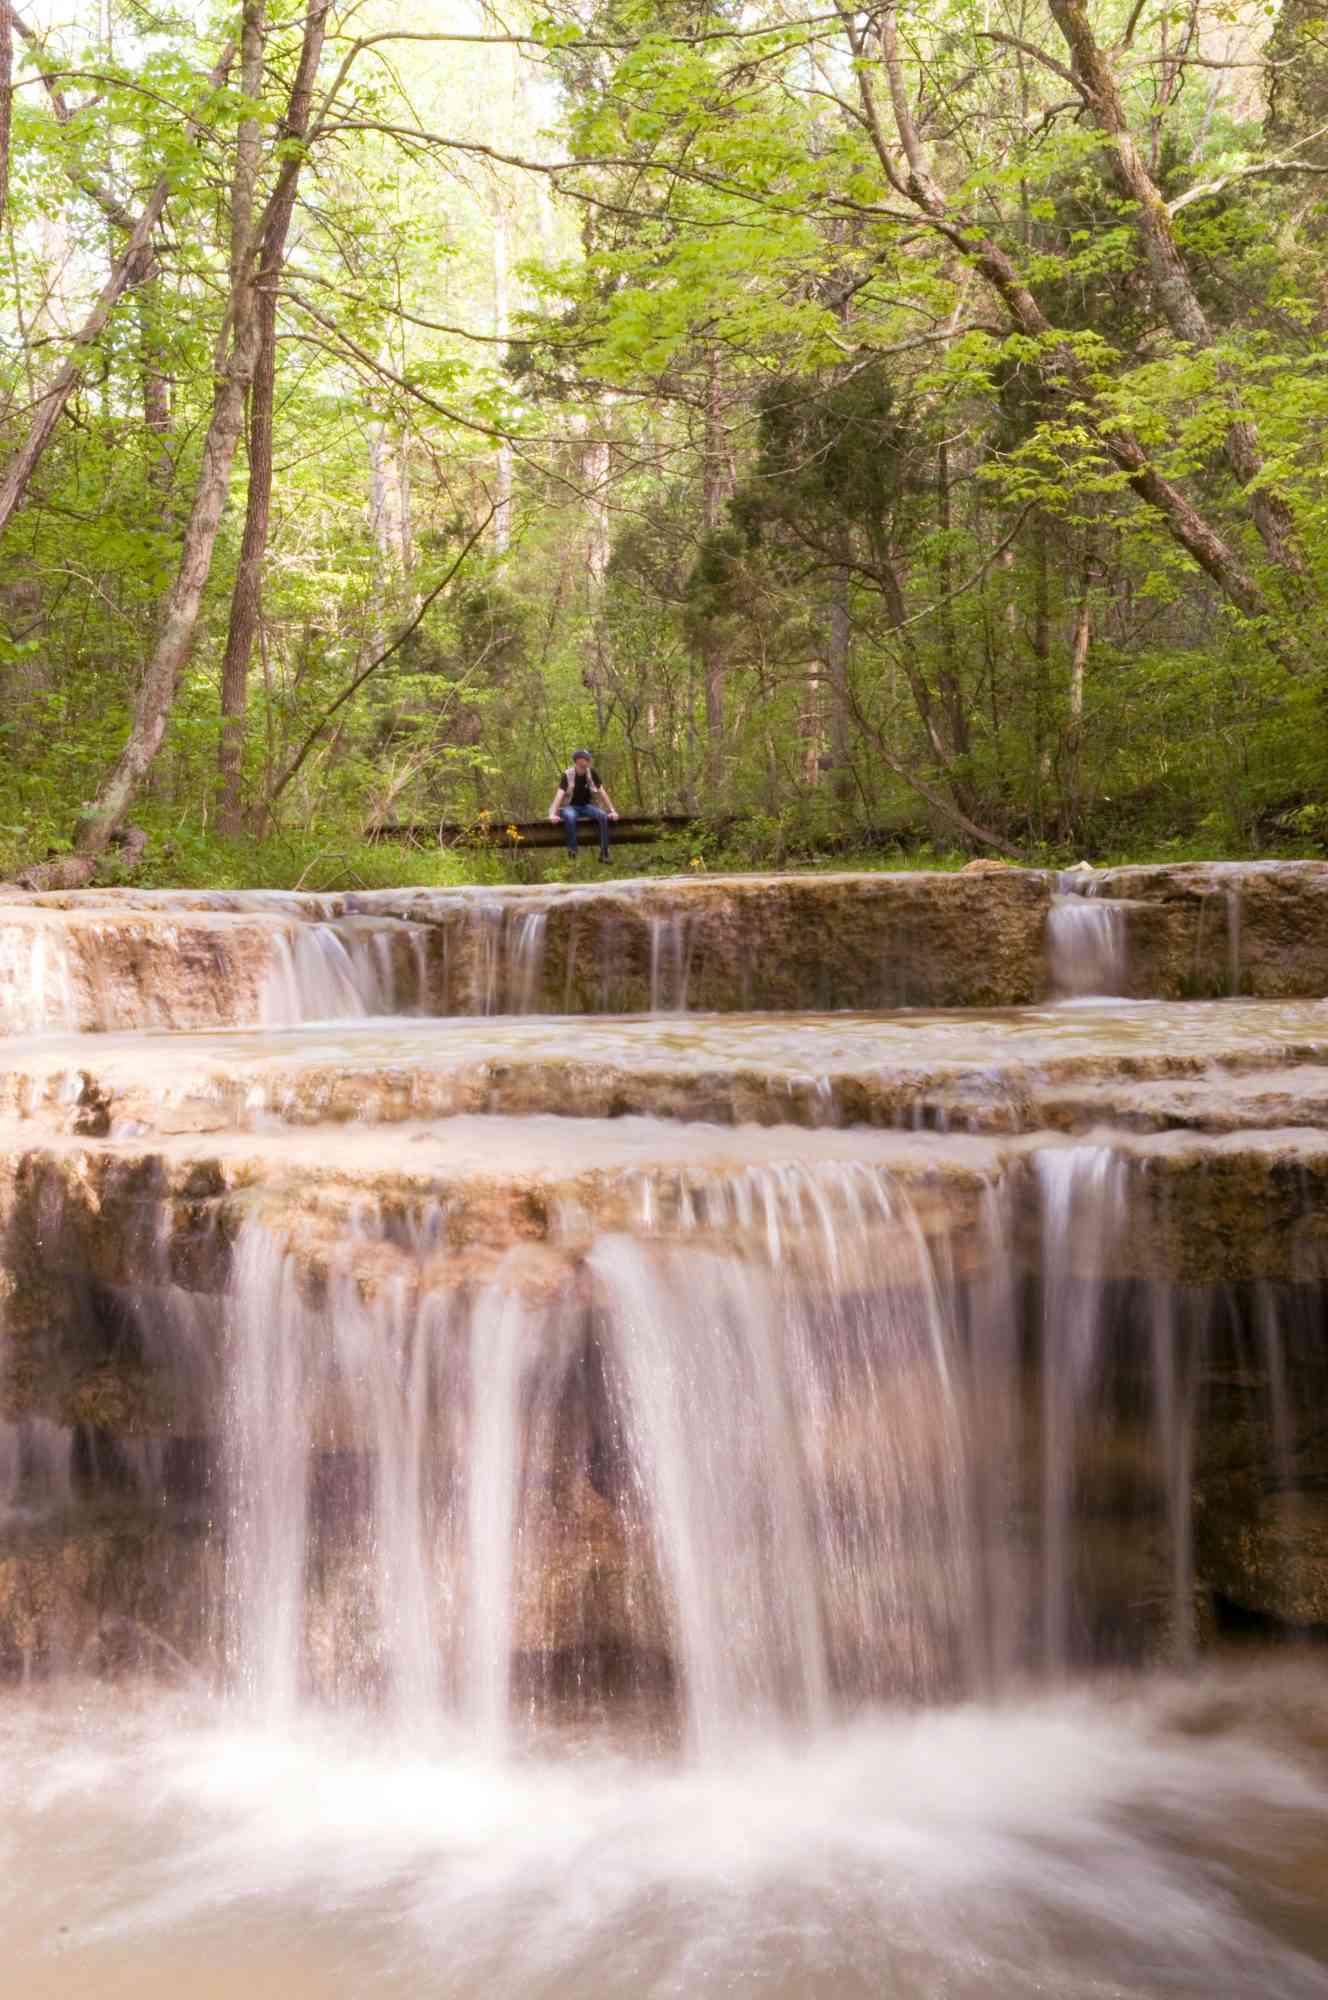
495,1503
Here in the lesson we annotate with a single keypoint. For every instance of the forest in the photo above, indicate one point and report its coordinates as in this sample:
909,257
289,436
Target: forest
890,431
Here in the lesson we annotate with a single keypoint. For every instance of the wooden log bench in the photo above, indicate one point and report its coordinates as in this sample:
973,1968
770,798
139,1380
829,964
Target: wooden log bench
631,830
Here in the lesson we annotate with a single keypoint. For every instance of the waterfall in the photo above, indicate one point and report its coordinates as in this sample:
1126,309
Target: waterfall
1086,941
671,944
518,1357
725,1500
266,1442
343,971
801,1450
38,982
478,1515
525,979
1082,1190
1233,938
487,932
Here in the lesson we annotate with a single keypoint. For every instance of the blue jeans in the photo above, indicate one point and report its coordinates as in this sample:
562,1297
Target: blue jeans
571,814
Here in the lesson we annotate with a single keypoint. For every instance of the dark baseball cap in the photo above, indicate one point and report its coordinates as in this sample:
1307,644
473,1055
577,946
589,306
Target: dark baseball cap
580,753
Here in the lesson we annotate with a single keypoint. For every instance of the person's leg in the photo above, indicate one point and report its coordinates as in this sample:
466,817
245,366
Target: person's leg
601,818
568,817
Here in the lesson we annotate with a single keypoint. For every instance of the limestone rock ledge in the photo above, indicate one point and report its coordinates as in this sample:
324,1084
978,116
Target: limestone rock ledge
119,959
100,1235
1195,929
119,1254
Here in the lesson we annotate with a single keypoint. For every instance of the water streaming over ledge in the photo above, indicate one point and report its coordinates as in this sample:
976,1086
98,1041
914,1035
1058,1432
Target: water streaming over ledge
753,1445
447,1549
1086,941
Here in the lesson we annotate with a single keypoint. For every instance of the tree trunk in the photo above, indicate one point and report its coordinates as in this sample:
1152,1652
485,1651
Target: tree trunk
951,674
837,668
1080,641
247,594
236,358
6,100
156,388
892,592
595,472
714,493
502,264
1172,284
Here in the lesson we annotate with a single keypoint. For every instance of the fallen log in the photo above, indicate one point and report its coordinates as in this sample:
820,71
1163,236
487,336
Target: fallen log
631,830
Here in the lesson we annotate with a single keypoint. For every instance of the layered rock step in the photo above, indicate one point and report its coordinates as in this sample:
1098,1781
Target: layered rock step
1151,1066
358,1305
389,1353
109,966
165,1212
115,960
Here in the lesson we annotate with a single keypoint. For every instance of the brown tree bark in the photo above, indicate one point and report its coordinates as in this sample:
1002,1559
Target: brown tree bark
156,388
236,356
247,594
951,674
1172,284
837,669
714,493
6,100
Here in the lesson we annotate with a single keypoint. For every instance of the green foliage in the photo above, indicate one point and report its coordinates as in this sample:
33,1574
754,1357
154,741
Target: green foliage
775,451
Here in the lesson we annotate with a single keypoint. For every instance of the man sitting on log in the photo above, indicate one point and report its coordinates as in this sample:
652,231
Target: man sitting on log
581,795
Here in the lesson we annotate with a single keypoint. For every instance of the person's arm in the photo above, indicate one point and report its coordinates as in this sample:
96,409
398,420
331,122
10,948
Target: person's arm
556,807
607,803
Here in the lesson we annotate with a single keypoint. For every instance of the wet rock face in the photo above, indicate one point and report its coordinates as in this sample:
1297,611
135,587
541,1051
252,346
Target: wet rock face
741,943
1266,1556
125,1593
116,960
1201,928
109,969
965,1312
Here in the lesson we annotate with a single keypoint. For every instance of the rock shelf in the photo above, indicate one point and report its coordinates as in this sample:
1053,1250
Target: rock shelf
330,1133
1147,1066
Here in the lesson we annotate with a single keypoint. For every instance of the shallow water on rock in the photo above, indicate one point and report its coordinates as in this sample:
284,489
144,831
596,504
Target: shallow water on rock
966,1069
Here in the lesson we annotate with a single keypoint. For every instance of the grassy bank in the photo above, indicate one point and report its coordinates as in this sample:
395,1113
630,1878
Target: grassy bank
332,863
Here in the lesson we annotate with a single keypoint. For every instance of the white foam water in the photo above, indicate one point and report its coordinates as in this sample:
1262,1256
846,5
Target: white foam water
1141,1844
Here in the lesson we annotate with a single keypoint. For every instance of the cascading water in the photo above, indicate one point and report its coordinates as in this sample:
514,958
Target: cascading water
1086,941
671,946
37,985
1083,1207
580,1557
525,977
329,972
504,960
774,1410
